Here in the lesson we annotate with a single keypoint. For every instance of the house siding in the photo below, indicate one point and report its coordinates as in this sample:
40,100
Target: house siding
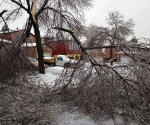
61,47
107,53
12,36
31,50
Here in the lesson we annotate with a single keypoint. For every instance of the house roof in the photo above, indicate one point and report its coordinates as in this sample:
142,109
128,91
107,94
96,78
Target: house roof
29,44
10,31
3,32
54,44
5,41
13,31
132,52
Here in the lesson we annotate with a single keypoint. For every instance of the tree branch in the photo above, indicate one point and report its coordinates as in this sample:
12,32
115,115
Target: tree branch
42,8
20,5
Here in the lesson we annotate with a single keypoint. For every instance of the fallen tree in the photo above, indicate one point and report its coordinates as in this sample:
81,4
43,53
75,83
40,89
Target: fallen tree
118,91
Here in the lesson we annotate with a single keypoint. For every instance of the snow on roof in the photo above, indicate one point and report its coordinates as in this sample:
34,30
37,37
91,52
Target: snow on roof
10,31
28,44
120,52
48,57
1,32
5,41
145,46
132,52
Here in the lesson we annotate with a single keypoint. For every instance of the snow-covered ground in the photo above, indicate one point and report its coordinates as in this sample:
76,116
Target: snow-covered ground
51,73
75,118
72,117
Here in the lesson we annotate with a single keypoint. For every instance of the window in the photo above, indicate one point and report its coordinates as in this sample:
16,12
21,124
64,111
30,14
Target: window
30,40
59,58
73,45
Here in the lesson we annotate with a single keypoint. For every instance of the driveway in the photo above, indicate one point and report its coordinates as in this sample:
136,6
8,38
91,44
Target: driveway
55,70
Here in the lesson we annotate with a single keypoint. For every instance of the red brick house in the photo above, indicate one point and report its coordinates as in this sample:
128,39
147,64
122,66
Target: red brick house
8,38
13,35
4,43
32,50
117,55
123,57
98,54
108,55
105,55
62,47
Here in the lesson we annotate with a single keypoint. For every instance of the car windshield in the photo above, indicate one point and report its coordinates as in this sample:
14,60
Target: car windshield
64,57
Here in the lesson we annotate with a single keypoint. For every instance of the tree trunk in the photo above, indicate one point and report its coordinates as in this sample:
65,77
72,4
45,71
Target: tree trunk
39,48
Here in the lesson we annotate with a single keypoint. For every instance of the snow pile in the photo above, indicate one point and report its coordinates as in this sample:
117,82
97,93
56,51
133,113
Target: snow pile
66,117
51,74
75,118
47,78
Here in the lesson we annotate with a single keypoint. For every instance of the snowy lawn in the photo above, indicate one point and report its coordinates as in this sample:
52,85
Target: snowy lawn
72,117
67,117
51,73
48,79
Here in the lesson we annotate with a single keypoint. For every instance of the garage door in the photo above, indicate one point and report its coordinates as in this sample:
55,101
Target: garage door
124,59
47,54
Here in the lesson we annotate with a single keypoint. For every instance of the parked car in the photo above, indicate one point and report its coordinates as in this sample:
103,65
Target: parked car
63,60
33,63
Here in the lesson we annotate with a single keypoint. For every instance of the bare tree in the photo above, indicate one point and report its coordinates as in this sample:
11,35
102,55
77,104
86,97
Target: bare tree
47,14
117,31
106,91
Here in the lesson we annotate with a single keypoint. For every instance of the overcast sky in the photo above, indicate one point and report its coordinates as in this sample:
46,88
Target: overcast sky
138,10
